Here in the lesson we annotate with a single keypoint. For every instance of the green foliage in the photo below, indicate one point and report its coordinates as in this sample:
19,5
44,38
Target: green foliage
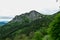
47,37
28,29
37,36
10,31
54,28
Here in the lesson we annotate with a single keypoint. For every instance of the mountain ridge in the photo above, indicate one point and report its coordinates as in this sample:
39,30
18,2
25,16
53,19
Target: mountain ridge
32,18
31,15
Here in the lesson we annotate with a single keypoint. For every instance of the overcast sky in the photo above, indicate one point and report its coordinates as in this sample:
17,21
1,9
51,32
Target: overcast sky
11,8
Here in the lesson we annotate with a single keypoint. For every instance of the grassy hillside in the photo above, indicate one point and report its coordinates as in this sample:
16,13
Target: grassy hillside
28,26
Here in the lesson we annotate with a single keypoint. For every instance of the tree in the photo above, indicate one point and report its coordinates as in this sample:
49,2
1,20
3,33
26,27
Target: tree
54,28
37,36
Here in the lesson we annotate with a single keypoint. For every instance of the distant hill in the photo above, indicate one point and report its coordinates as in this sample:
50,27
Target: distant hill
3,23
25,24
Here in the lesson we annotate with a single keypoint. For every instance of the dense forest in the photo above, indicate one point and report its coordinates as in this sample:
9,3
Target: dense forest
32,26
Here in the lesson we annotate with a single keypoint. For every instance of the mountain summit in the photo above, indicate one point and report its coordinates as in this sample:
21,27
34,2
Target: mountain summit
32,15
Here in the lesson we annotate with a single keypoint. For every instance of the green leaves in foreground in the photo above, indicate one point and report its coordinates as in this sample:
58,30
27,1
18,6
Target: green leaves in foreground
54,28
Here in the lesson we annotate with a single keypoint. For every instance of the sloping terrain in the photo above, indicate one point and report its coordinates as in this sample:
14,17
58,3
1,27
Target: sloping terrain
25,24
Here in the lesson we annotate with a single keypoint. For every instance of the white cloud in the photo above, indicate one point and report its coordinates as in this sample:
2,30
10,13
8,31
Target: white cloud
17,7
5,20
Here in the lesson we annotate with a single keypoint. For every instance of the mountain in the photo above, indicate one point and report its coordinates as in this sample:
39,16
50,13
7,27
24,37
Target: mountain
3,23
32,15
25,24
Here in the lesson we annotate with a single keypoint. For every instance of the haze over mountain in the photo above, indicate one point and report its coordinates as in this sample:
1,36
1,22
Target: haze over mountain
17,7
4,20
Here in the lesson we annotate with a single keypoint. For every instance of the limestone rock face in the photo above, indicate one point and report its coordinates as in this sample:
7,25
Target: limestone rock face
32,15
